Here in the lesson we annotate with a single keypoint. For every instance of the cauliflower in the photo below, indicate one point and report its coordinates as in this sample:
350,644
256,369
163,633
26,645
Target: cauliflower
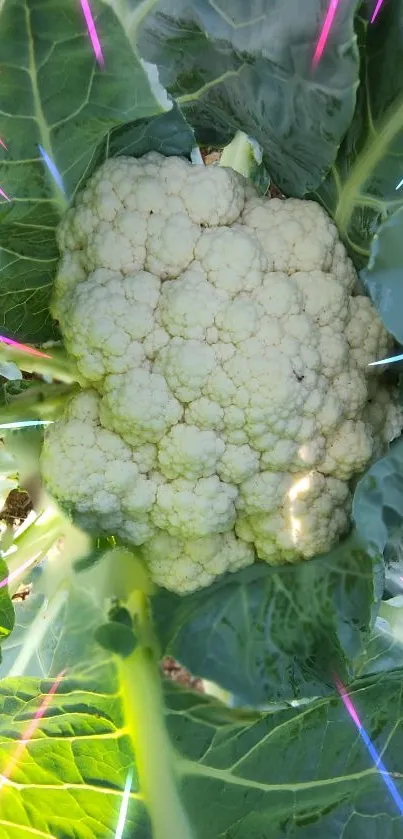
226,352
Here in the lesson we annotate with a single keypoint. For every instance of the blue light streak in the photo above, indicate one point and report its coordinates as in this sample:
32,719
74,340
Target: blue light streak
52,168
25,423
386,360
398,799
379,765
124,806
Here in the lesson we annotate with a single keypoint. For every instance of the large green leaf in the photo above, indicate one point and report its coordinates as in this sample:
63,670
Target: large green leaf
52,93
236,65
285,772
70,778
361,188
300,773
266,634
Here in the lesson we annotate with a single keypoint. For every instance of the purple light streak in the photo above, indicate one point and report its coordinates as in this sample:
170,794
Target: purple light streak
92,31
3,194
394,792
6,580
376,11
23,347
323,37
30,730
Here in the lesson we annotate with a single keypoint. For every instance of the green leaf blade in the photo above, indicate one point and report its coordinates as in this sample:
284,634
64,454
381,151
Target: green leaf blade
68,114
269,634
249,66
360,190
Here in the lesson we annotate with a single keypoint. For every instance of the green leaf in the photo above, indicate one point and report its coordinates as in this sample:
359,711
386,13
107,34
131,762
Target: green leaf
30,648
116,638
385,649
360,191
48,634
383,276
117,634
378,503
52,93
266,634
296,772
6,606
167,133
248,66
101,544
73,769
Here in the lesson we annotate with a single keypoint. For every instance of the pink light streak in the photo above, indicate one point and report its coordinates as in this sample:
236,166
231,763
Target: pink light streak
4,195
92,31
376,11
6,580
30,730
327,25
2,143
378,762
23,347
347,702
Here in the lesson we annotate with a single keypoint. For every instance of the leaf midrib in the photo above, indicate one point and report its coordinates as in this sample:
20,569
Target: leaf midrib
57,196
367,160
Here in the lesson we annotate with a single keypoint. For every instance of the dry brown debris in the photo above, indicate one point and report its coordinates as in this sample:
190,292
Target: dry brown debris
16,509
176,673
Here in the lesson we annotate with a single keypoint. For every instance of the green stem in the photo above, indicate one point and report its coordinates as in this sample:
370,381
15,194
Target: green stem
42,401
240,155
32,545
54,362
145,718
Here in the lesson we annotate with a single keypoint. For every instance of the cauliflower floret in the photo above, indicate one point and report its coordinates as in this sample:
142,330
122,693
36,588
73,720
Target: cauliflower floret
383,414
366,334
195,508
350,450
111,343
139,406
229,348
170,244
213,195
186,366
100,484
187,565
189,305
315,515
232,258
189,452
299,236
237,464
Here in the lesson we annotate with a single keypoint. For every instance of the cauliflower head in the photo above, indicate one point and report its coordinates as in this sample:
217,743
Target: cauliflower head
226,352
